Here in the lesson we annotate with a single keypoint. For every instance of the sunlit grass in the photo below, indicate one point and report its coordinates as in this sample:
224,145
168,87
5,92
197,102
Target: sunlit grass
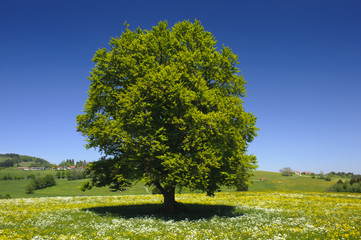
274,182
247,215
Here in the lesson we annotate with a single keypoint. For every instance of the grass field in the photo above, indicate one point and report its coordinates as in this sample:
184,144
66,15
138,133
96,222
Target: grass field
274,182
272,209
277,182
246,215
16,188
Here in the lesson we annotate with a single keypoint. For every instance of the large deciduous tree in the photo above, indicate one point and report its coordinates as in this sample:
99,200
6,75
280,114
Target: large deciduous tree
165,106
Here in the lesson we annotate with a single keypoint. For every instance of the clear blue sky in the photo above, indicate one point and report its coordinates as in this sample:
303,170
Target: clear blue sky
302,61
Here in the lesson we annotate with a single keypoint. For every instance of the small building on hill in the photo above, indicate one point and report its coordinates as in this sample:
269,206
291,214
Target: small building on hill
24,168
37,168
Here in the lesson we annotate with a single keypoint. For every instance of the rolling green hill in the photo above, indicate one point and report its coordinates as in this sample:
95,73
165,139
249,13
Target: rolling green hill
277,182
64,187
16,160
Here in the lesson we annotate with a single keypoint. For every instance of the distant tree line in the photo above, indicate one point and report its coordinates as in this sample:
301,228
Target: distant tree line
11,159
81,164
346,175
287,171
331,175
322,175
10,155
71,162
39,183
7,163
67,163
353,185
71,174
10,177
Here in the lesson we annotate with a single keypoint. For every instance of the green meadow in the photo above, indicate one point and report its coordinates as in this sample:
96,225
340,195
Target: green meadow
296,207
64,187
228,215
277,182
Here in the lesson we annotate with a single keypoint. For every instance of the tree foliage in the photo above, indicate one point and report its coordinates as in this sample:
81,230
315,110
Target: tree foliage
10,159
67,163
7,163
40,183
353,185
165,106
286,171
7,196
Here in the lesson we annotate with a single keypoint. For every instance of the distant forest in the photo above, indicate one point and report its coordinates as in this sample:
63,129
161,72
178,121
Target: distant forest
13,160
345,175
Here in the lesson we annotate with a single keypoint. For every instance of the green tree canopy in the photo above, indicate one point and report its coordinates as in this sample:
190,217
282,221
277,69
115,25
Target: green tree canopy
165,106
286,171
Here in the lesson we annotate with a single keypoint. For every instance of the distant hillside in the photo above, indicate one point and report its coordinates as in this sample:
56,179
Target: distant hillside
272,181
16,160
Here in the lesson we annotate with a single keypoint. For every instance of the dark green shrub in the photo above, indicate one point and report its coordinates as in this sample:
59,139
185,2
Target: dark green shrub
49,180
338,187
31,176
7,177
39,183
356,187
74,174
7,196
30,188
348,187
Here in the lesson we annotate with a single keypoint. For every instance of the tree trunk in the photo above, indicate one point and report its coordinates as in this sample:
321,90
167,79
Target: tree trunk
169,204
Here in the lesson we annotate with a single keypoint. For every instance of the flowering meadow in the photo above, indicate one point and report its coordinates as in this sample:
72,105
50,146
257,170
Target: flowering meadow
249,215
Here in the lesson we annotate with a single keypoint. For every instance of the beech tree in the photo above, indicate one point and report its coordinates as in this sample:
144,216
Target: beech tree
165,107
